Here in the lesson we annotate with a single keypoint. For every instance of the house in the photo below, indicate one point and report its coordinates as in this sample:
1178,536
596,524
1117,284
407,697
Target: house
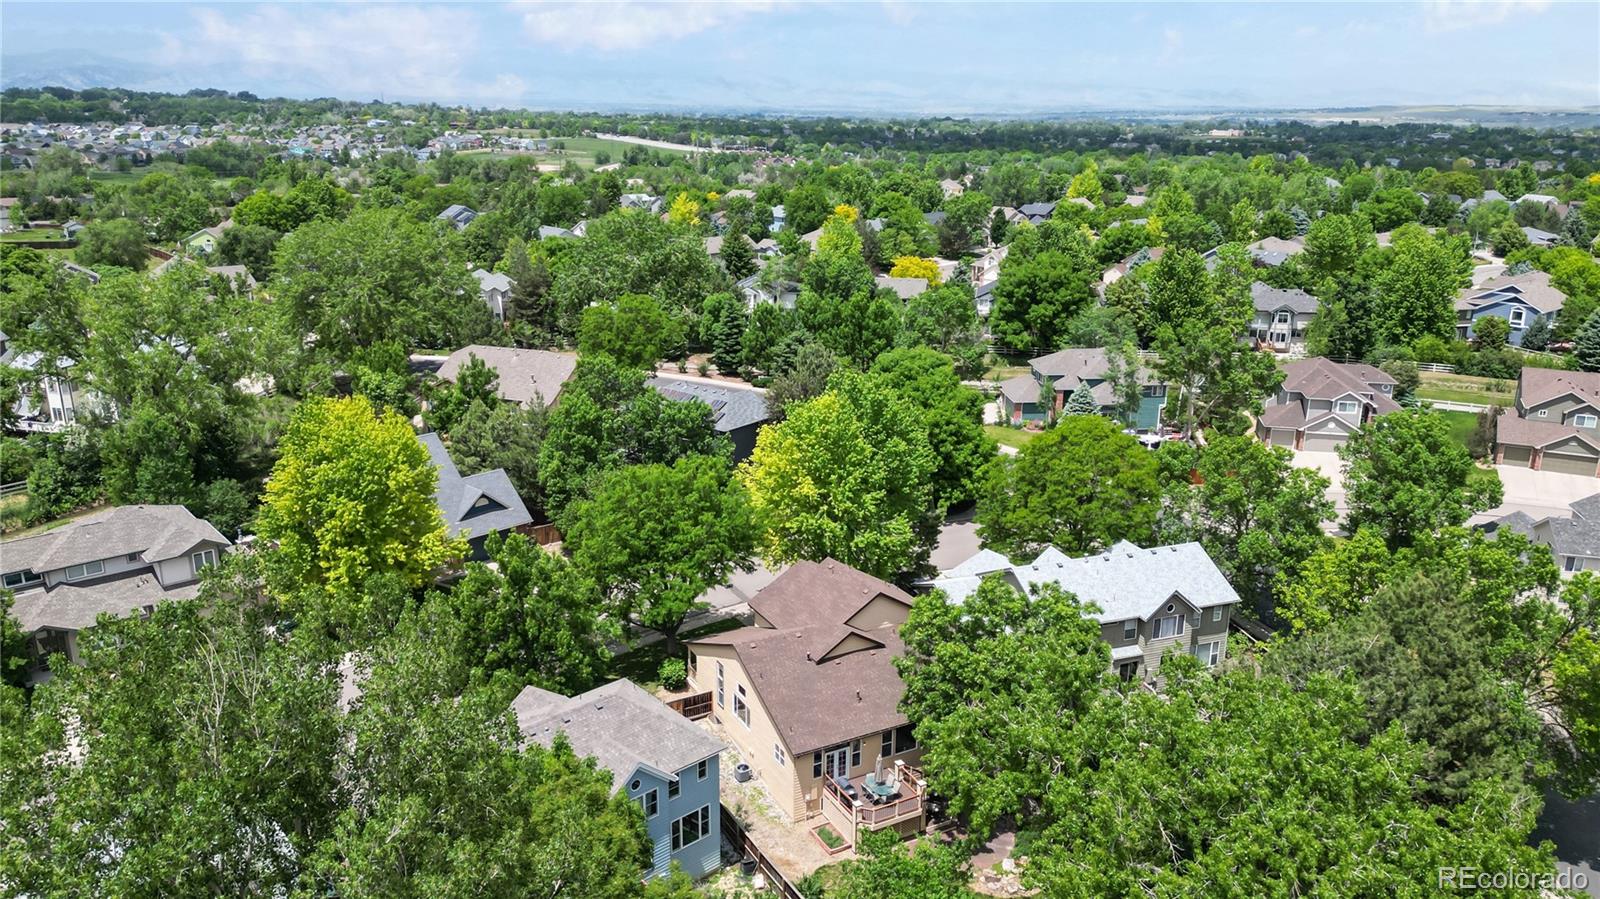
1541,238
1116,272
495,289
1034,213
205,240
1021,398
647,202
810,698
986,268
71,230
784,293
1321,403
48,402
1281,317
551,232
983,297
237,275
656,757
523,375
1537,199
1148,602
904,288
474,506
780,217
115,562
1573,538
458,216
951,188
738,412
1554,424
1519,299
1268,252
714,245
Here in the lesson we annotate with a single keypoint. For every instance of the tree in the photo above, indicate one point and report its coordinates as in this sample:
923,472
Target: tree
1334,582
350,497
1081,486
1507,238
738,257
1081,401
475,382
994,685
1086,184
1406,476
534,616
1586,344
1490,333
1334,244
656,537
1258,516
116,242
1418,286
916,267
806,208
806,377
634,330
848,475
838,302
1037,295
250,246
886,869
952,415
1538,335
491,435
965,224
1406,376
529,302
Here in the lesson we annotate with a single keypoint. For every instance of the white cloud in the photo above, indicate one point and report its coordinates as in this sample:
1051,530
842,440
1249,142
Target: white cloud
352,51
1454,15
628,25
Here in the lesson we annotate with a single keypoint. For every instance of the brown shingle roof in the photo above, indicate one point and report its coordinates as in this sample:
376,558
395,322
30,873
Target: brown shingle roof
522,373
826,592
1515,431
1538,386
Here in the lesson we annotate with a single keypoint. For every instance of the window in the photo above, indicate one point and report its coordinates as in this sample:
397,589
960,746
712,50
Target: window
1208,653
132,557
1585,420
1543,412
23,578
634,787
1130,629
1216,615
1570,563
87,569
691,828
816,763
905,739
674,788
702,769
1347,407
740,707
692,662
648,800
887,747
203,559
720,703
855,754
777,754
1170,626
1518,317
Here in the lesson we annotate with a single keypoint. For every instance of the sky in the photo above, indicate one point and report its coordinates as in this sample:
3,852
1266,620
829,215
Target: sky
882,57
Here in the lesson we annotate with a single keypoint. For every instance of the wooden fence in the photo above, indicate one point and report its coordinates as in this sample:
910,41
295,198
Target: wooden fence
12,488
694,706
747,848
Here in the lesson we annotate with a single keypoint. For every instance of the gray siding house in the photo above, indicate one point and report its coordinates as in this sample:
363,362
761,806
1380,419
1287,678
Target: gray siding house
1149,601
738,412
474,506
117,562
1573,539
494,288
656,756
1554,424
1519,299
1321,403
1022,398
1281,317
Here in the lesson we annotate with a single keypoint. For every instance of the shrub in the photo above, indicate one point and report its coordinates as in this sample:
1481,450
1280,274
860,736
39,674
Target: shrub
673,673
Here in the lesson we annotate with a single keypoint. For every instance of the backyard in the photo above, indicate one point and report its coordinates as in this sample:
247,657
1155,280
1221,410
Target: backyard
1453,388
1012,437
642,663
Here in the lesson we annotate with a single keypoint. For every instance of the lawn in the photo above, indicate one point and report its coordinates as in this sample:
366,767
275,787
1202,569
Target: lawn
33,234
829,836
580,150
1466,389
641,663
1462,424
1010,436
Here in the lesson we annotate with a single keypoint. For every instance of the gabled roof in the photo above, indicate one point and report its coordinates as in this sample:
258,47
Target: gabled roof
488,280
476,505
523,374
1071,367
1514,431
1323,379
77,606
828,591
1533,288
1125,582
904,288
1537,386
1021,389
155,533
621,726
732,407
1267,298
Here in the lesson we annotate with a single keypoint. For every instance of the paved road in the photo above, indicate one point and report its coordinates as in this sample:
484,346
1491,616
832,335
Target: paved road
1575,829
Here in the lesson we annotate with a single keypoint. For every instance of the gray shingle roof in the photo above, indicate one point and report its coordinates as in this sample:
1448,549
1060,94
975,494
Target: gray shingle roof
1021,389
523,374
1267,298
488,280
154,532
76,606
1573,536
732,408
619,725
1536,386
1514,431
475,505
1324,379
1125,582
1533,288
904,288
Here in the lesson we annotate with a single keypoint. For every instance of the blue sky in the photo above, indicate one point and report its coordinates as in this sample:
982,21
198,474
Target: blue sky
958,58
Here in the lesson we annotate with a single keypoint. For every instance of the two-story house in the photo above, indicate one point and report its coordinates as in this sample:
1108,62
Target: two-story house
495,290
756,291
738,412
1321,403
985,269
115,562
49,402
1519,299
1281,317
657,757
1148,602
474,506
1024,398
1573,539
810,697
1554,424
523,376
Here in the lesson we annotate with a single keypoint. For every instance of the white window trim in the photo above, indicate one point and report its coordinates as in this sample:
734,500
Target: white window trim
1212,650
1130,629
702,816
1517,318
1178,625
777,754
650,802
1340,406
739,701
1216,614
1585,420
1543,412
201,560
87,569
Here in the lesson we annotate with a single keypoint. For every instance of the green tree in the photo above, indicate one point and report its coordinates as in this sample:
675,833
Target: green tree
251,246
806,377
952,415
1037,295
1417,286
657,537
1334,582
1586,344
634,330
1080,401
847,475
116,242
1081,486
351,496
1335,243
738,257
886,869
1406,476
1490,333
1507,238
448,401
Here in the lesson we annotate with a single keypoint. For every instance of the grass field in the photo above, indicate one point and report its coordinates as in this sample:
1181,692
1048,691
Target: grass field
1466,389
580,150
1010,436
1462,424
33,234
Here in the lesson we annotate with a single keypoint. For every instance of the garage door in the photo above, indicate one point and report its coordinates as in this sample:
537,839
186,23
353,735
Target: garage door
1568,464
1518,456
1322,443
1283,437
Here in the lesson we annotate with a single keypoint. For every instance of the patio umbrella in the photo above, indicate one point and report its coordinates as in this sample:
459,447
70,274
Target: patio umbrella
877,770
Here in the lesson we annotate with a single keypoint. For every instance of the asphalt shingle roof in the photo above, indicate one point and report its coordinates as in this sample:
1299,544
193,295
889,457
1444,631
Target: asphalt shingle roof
523,374
459,497
1267,298
732,408
154,532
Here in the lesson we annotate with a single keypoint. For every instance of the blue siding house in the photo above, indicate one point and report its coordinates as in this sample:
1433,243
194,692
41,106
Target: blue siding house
1519,299
1021,397
659,758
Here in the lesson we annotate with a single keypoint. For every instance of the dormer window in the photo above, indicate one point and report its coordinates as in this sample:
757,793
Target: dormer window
1346,407
87,569
1585,420
203,559
24,578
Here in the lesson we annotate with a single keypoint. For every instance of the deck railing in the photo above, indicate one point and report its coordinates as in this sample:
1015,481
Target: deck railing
873,816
